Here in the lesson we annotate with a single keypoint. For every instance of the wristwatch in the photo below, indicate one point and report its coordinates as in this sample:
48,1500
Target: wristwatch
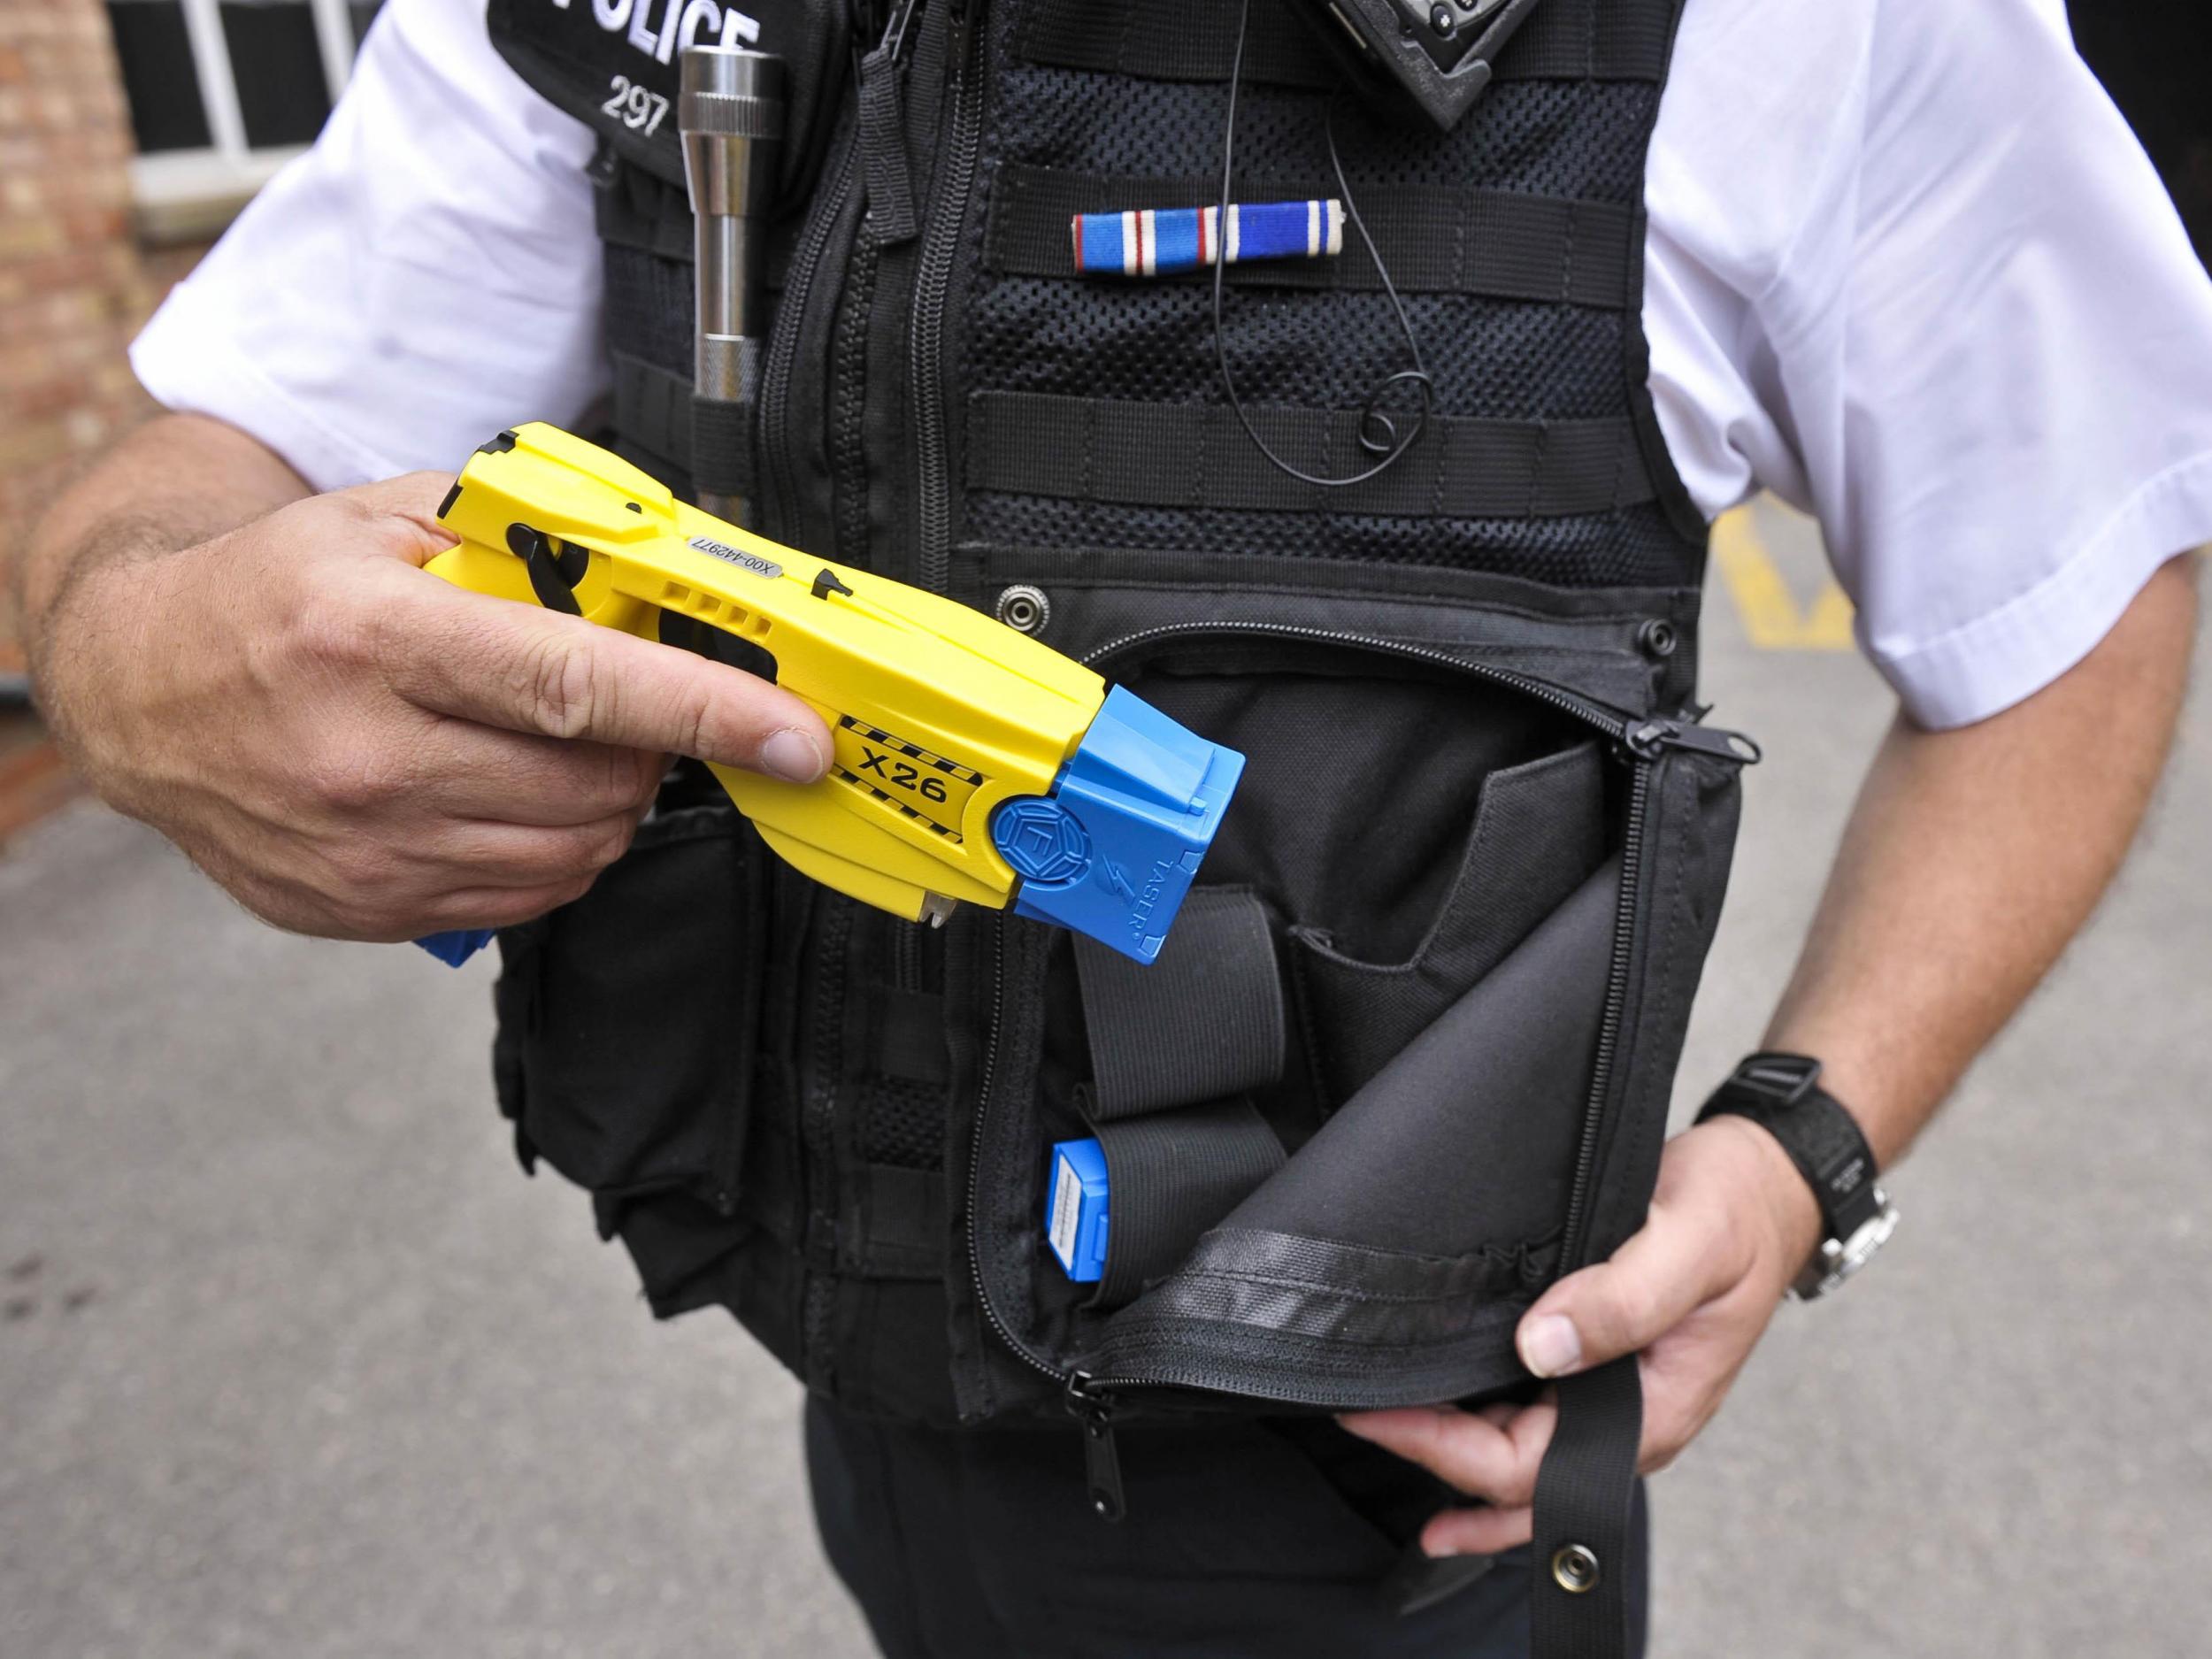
1781,1093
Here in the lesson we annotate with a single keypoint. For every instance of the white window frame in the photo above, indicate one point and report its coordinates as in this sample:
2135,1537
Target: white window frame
182,195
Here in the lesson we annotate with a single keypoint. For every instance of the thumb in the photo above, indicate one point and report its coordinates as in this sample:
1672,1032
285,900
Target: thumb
403,512
1680,1260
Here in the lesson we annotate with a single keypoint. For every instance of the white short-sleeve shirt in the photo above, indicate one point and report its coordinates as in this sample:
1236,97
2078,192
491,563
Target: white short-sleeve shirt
1906,268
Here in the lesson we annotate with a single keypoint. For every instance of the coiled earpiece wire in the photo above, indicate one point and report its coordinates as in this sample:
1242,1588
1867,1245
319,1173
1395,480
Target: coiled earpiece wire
1377,430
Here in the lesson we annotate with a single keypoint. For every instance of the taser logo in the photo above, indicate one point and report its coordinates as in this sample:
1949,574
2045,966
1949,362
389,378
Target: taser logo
1141,916
659,28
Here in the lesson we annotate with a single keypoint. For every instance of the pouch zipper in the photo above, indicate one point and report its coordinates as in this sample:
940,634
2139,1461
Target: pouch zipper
783,345
1092,1401
933,285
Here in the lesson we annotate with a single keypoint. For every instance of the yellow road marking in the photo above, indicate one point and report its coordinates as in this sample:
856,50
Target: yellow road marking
1763,600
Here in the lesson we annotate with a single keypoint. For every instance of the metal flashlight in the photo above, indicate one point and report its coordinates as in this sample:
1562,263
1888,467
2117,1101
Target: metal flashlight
730,113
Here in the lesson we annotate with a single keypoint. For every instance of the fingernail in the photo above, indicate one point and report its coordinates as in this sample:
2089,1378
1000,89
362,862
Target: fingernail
793,756
1551,1347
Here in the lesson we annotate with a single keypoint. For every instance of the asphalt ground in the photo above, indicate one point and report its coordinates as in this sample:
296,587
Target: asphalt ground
294,1362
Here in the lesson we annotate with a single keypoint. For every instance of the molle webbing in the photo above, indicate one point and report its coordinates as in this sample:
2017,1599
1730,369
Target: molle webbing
1089,410
1178,39
1196,455
1434,238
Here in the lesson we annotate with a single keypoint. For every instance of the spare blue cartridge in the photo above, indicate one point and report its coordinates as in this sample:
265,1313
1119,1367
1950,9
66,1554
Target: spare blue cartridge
1075,1209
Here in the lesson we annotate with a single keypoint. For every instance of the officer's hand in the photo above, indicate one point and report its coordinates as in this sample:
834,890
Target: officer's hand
355,749
1731,1225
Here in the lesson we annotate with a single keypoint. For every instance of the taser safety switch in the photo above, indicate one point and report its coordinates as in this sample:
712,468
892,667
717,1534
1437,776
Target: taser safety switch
971,764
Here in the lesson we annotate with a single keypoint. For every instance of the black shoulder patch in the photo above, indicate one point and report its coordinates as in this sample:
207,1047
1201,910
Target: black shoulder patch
612,64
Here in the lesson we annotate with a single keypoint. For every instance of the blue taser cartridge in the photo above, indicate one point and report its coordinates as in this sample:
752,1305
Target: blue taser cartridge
1111,850
1075,1209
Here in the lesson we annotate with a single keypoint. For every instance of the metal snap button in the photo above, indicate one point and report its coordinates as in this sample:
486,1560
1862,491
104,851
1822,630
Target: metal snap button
1024,608
1574,1568
1657,638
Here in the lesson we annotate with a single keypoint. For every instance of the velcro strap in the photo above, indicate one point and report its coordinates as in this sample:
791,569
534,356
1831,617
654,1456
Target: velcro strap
652,410
893,1222
1586,1502
721,448
1196,39
1434,239
1171,1176
910,1036
1202,1022
1196,455
1172,40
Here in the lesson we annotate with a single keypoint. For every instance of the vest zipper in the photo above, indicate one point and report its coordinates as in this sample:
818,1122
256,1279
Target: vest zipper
1644,737
932,290
783,348
1610,1022
1644,740
817,1130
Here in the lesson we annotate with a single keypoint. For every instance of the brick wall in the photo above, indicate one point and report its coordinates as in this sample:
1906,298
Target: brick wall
73,285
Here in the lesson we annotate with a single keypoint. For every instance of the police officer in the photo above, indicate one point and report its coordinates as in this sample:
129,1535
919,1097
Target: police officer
1903,267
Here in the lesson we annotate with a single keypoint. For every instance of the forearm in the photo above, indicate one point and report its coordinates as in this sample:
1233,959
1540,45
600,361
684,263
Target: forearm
176,482
1970,859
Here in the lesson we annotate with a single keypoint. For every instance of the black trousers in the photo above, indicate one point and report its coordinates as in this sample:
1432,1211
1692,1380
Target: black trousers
1278,1537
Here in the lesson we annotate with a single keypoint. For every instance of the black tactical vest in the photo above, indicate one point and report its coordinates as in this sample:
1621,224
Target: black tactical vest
1406,1058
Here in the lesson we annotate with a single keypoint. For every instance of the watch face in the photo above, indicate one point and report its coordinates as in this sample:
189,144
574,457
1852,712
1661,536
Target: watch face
1839,1260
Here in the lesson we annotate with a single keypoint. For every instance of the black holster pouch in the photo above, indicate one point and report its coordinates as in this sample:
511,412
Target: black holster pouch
1404,1060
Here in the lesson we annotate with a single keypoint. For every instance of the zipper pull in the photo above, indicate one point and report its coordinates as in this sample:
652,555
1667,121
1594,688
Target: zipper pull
1093,1409
895,28
1645,739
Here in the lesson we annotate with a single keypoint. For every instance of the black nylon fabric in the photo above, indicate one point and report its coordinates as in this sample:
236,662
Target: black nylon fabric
1203,1021
1413,835
1571,141
1196,39
1173,1174
1586,1514
1504,244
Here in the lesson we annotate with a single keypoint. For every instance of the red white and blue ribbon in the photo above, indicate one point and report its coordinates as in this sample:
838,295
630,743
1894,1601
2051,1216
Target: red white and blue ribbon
1156,241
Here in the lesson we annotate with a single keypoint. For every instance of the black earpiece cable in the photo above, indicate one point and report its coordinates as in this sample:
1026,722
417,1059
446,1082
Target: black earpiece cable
1378,433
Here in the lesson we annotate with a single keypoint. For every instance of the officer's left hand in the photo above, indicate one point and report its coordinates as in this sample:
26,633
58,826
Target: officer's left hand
1731,1225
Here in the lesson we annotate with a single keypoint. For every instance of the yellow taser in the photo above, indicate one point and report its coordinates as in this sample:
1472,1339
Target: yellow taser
972,764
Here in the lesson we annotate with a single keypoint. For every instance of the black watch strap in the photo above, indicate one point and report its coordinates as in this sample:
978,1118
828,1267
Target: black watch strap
1782,1094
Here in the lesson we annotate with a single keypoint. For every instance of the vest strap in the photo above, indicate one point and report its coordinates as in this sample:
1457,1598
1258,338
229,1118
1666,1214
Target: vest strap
1196,39
1586,1501
652,410
721,448
893,1225
1204,1022
1174,1174
1434,238
910,1036
1195,455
